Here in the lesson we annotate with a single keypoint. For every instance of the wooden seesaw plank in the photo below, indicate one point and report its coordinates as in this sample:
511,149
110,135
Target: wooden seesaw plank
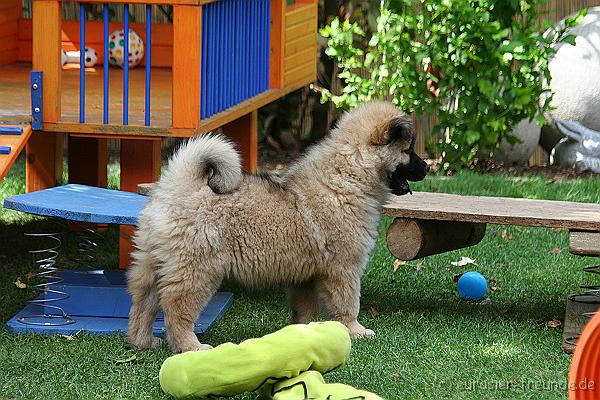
496,210
584,243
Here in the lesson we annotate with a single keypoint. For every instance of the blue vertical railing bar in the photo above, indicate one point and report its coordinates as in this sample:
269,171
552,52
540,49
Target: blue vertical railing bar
267,45
220,48
228,31
126,64
105,68
256,25
238,44
148,61
203,64
211,59
246,55
218,54
235,53
223,52
81,63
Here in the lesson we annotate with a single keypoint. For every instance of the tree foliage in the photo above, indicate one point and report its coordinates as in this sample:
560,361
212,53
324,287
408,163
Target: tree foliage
480,65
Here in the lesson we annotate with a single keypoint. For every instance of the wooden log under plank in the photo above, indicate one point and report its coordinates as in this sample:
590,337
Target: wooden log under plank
584,243
410,239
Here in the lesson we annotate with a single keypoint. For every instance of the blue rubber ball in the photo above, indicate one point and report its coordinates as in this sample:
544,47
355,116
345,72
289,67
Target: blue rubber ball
472,286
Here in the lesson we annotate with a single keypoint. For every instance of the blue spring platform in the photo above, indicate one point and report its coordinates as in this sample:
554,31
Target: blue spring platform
98,300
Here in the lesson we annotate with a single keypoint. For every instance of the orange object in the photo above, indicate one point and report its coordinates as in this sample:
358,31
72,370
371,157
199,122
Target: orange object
187,42
88,159
16,143
584,375
47,18
244,132
140,163
10,12
43,168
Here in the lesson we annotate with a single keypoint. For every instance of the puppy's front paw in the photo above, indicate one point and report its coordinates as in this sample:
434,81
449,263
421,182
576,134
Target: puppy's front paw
364,334
357,331
196,347
204,347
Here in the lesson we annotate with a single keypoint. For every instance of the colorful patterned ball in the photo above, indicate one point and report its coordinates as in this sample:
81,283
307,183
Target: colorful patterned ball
116,48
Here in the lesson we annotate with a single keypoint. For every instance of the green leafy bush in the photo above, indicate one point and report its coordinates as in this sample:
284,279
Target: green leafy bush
479,65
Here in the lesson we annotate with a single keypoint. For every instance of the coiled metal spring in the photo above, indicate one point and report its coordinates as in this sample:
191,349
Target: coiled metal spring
87,246
45,260
590,298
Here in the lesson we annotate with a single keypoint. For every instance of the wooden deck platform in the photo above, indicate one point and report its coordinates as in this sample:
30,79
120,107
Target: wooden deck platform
496,210
16,107
15,103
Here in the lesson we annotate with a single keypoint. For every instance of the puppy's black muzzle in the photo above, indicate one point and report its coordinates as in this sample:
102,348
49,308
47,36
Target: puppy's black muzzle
414,171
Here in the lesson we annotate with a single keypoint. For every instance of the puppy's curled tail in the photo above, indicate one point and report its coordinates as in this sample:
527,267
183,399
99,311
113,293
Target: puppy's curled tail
206,160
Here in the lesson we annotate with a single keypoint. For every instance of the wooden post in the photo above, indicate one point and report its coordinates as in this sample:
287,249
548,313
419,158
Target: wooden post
410,239
45,150
277,42
140,163
584,243
88,159
187,51
244,132
47,22
43,168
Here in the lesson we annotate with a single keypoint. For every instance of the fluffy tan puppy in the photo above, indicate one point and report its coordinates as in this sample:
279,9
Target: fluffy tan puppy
310,229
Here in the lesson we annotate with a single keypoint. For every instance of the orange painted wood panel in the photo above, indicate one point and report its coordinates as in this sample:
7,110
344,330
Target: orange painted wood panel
187,43
306,72
8,56
10,11
162,56
16,143
303,57
46,53
6,4
44,160
8,43
164,2
162,34
87,161
302,43
9,15
140,163
10,29
116,131
304,28
162,39
300,12
244,132
277,43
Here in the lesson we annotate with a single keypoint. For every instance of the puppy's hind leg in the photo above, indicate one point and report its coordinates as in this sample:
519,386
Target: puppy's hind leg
303,302
141,282
182,297
340,291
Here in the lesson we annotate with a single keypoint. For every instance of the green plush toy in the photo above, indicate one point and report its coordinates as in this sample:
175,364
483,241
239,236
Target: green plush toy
310,385
230,369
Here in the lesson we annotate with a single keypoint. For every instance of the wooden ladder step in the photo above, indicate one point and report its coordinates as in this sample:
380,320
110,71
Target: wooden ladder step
11,130
13,139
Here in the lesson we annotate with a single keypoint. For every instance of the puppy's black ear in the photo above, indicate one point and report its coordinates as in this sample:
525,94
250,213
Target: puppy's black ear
400,129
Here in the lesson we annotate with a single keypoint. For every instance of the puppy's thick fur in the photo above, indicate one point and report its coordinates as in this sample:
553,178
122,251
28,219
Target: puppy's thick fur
310,230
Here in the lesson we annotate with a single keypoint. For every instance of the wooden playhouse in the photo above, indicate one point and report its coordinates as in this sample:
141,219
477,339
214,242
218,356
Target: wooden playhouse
212,67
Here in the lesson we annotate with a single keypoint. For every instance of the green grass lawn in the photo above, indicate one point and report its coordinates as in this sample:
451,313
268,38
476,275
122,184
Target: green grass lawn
429,344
